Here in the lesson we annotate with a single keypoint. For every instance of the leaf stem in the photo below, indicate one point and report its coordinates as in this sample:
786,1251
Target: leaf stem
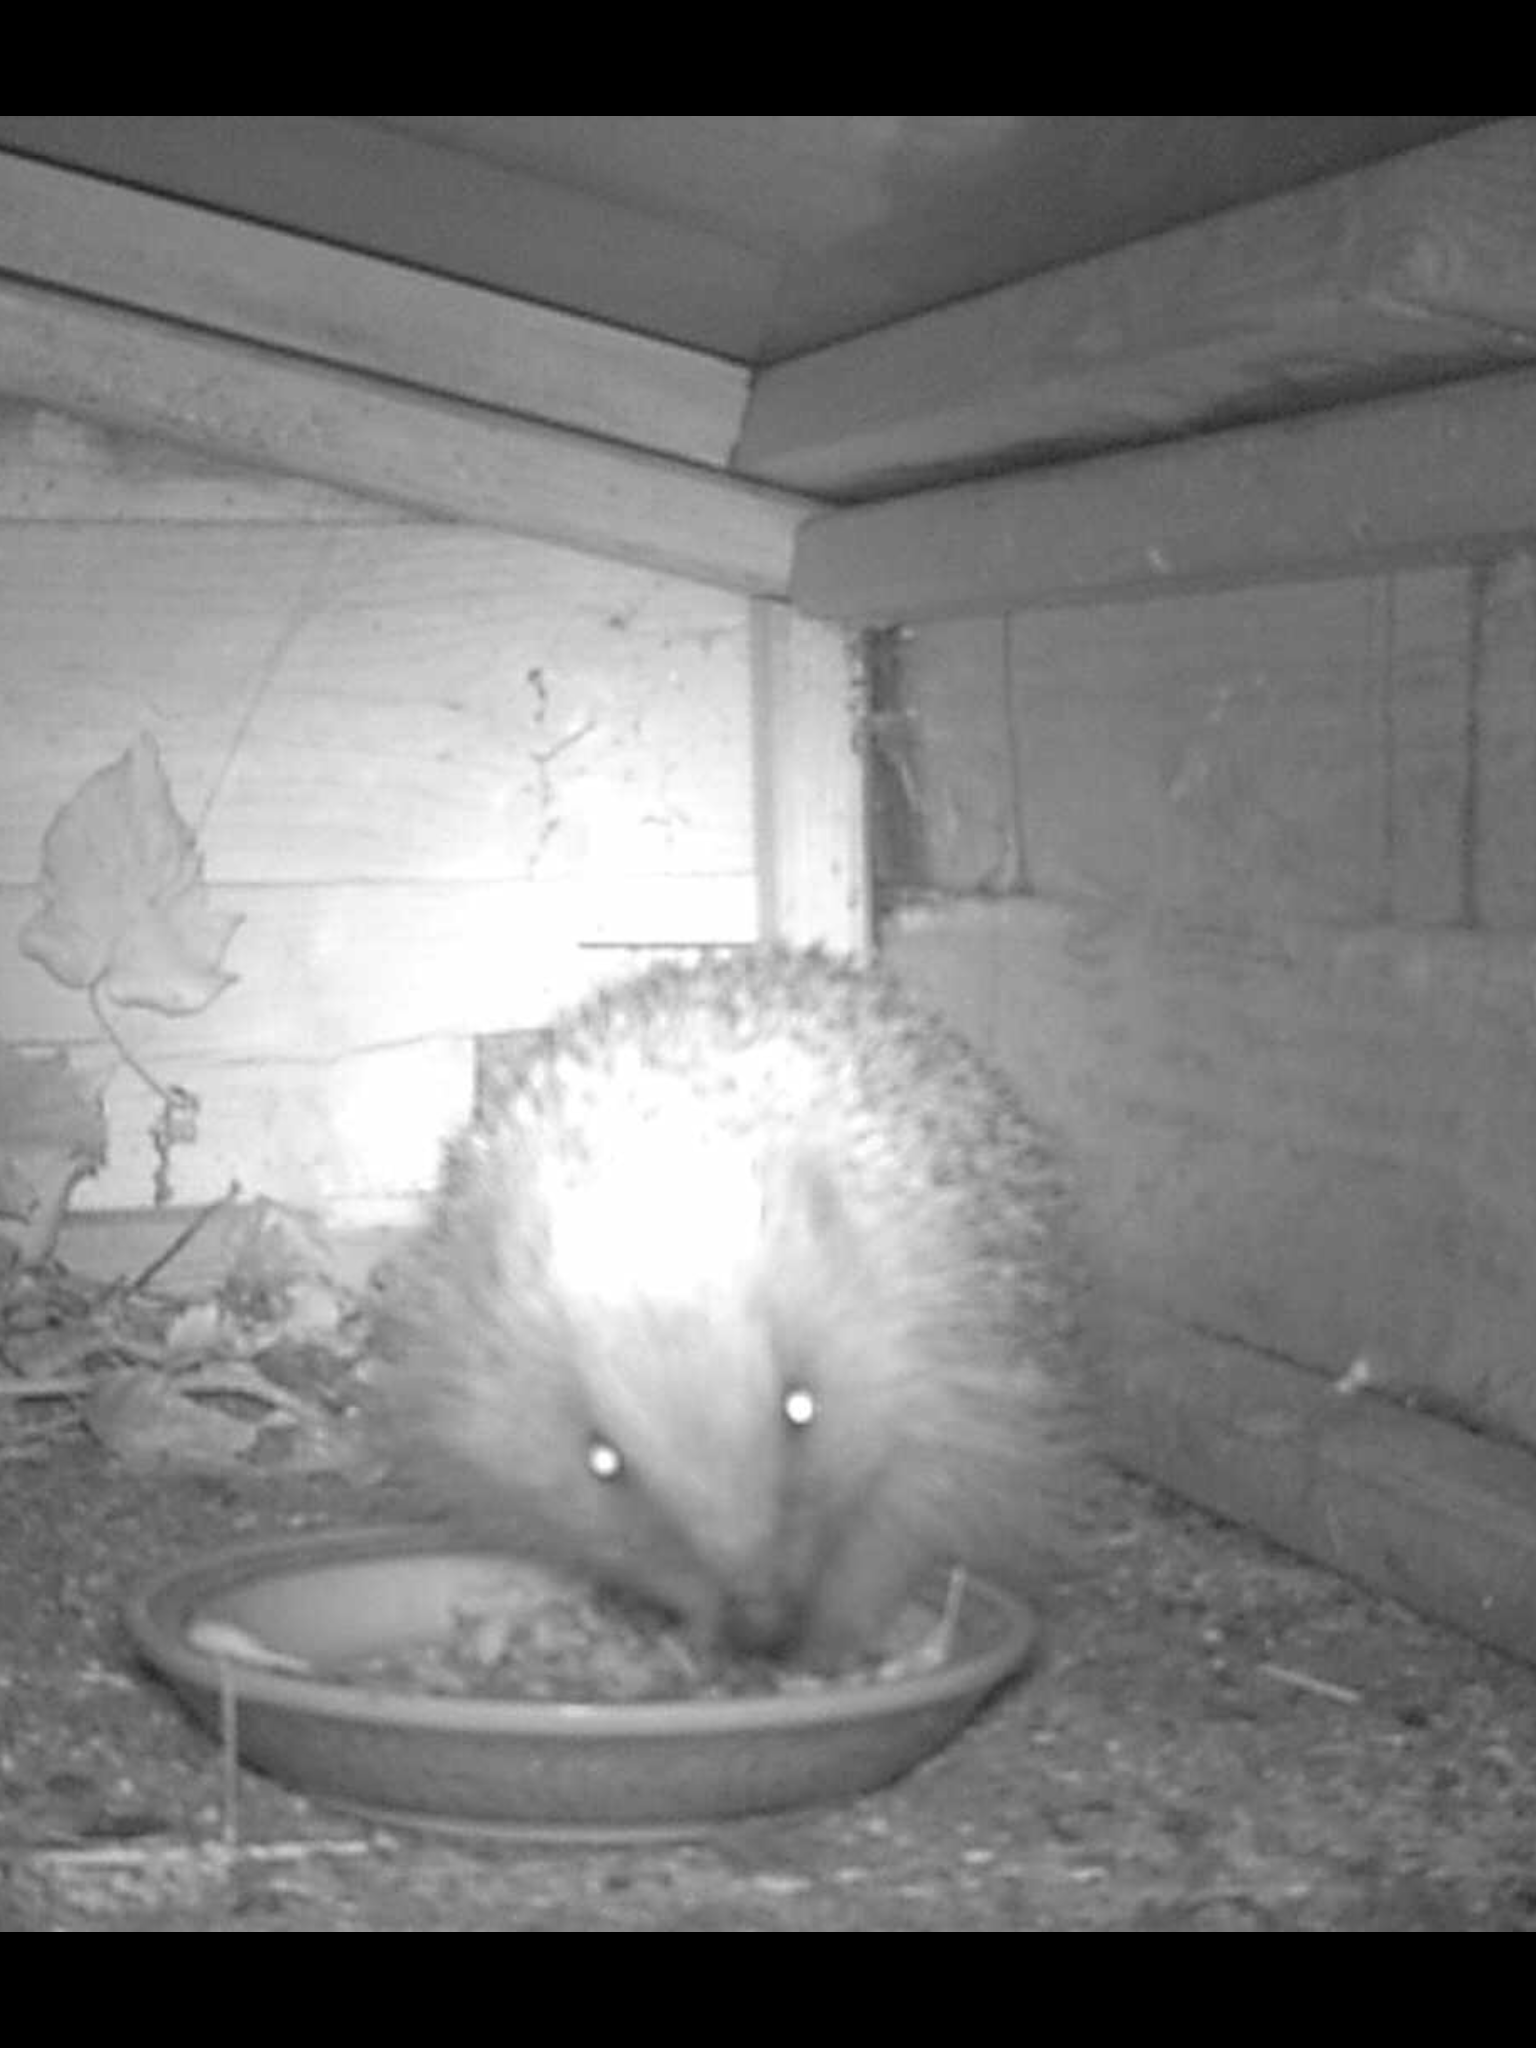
166,1095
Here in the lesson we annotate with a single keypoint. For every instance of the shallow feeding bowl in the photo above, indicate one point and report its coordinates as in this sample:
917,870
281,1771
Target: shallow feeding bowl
253,1629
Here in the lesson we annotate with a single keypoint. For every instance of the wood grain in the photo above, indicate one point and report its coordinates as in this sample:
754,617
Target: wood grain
1449,472
439,455
1413,270
308,298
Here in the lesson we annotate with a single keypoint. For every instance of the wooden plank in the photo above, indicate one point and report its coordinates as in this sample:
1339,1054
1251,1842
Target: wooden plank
808,798
333,1068
115,1244
1322,1144
1428,686
1218,756
751,234
1420,267
55,468
337,1135
950,750
1426,1512
440,456
225,276
329,968
1502,826
1288,751
345,181
400,703
1444,472
1343,751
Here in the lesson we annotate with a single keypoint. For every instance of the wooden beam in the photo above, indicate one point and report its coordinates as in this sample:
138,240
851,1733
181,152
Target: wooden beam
225,276
1447,472
808,796
1422,1510
350,183
438,455
1421,266
59,469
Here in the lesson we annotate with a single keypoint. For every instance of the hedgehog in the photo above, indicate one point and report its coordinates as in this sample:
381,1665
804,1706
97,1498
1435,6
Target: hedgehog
757,1297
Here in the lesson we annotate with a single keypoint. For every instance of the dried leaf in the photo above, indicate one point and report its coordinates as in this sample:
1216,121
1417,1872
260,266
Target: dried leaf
152,1422
52,1133
148,1422
125,908
46,1107
56,1354
200,1329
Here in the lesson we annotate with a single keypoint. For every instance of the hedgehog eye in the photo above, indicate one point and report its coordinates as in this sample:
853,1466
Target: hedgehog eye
799,1407
603,1461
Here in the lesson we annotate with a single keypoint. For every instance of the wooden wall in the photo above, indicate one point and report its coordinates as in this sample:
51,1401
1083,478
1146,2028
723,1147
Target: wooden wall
1207,724
1249,905
446,777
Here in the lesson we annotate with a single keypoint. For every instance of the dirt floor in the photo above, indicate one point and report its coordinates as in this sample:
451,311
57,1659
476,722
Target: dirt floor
1223,1739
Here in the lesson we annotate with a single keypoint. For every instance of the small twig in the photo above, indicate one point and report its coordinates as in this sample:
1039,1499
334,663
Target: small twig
180,1241
1303,1681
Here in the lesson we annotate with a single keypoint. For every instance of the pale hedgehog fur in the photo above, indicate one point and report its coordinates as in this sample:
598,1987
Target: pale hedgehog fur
756,1297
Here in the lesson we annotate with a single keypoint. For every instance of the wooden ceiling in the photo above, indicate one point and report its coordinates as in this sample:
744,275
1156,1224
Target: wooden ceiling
751,236
888,366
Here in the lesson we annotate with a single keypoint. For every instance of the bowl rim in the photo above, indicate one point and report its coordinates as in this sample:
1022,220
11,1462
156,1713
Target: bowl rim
159,1611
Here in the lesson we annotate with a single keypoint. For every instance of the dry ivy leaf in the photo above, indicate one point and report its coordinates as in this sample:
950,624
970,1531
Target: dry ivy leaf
45,1106
147,1421
124,907
53,1132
